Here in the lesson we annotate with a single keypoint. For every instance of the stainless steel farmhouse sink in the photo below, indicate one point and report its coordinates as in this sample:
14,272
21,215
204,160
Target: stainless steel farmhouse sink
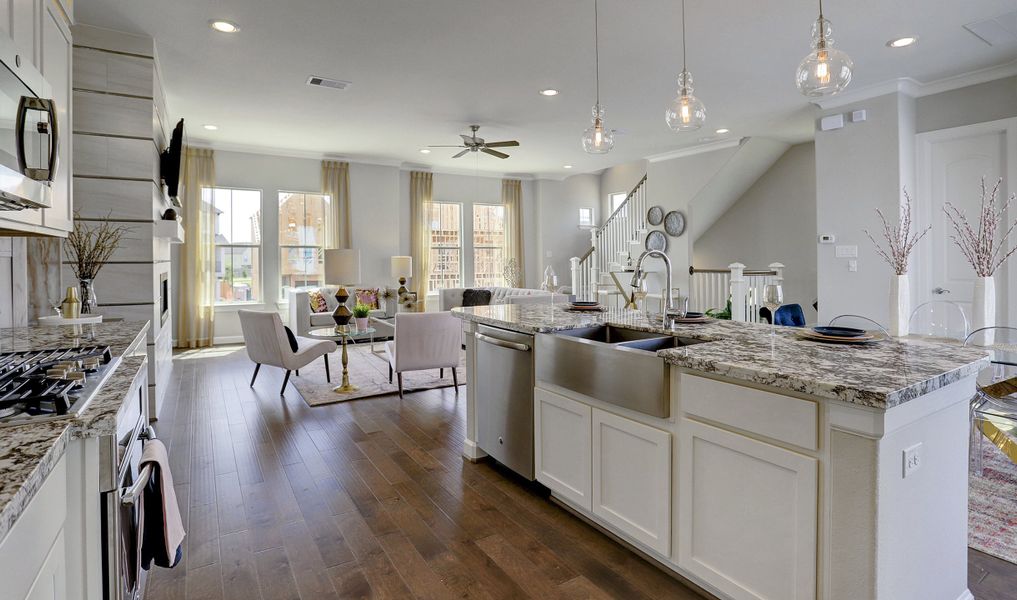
612,364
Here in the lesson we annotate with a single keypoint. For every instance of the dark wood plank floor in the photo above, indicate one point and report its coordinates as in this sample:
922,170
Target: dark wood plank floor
371,499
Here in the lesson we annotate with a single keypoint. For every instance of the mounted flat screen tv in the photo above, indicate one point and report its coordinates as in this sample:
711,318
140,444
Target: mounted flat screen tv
169,163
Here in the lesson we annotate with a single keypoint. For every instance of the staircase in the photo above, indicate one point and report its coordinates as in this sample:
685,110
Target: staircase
611,245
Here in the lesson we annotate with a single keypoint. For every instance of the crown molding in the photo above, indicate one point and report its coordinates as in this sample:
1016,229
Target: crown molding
290,153
916,89
408,166
694,150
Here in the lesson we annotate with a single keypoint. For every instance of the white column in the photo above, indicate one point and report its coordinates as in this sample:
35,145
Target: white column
778,268
738,291
574,265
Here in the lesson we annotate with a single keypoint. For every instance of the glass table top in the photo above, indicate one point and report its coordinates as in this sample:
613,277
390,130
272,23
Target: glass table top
331,333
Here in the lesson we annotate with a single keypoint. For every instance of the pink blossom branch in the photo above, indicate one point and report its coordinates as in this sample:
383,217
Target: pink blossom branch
981,248
900,240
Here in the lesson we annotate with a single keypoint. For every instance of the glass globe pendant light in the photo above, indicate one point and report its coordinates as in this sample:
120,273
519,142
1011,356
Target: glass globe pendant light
826,70
686,112
597,139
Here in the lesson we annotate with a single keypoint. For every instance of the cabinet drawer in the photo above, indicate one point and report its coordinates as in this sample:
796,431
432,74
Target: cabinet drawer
782,418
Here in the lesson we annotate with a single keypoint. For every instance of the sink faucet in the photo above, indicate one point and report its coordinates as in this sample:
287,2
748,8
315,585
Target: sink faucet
637,275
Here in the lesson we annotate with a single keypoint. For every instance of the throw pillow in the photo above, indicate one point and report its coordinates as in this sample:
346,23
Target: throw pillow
473,297
367,296
317,301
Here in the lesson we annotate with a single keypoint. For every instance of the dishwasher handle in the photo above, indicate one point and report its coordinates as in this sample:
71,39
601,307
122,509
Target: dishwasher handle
501,343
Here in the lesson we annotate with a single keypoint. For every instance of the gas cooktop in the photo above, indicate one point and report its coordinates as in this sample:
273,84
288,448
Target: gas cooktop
40,385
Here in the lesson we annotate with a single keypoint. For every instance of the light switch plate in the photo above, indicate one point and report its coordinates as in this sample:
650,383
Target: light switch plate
853,265
831,122
912,459
847,251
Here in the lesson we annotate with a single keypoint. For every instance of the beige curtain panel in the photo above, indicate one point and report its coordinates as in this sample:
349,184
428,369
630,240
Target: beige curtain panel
420,230
512,198
335,183
195,323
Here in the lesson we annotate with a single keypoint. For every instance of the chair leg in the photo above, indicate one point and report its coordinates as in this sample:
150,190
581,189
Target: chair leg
390,372
455,380
286,380
257,367
297,372
441,373
328,376
400,375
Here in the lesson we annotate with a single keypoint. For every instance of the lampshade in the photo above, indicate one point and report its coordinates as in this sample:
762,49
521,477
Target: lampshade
402,266
342,266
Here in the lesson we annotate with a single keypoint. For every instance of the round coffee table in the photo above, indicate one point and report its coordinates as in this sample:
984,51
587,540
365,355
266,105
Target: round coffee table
341,335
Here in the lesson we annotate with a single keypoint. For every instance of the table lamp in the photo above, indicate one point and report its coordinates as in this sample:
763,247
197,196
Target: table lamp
402,267
341,267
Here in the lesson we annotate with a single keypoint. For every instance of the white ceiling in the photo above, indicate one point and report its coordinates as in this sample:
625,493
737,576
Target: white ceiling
423,71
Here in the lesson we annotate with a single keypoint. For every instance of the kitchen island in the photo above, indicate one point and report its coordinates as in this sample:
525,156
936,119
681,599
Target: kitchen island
774,468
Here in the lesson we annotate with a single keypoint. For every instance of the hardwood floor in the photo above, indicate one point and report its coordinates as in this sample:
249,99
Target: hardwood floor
371,499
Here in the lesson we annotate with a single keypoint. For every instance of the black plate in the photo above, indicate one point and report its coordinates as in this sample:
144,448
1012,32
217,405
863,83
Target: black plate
693,315
839,331
584,303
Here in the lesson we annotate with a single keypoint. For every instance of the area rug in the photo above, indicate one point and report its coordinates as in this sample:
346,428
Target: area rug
992,506
369,372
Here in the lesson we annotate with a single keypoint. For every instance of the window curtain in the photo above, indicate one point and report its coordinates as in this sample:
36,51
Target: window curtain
335,182
195,323
512,198
420,230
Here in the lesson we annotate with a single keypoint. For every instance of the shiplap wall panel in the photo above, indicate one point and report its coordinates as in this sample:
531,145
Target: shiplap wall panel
111,157
114,73
113,115
128,200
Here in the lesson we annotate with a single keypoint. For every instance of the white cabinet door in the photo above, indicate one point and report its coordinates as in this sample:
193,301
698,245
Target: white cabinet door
747,514
632,479
563,448
56,68
51,581
24,27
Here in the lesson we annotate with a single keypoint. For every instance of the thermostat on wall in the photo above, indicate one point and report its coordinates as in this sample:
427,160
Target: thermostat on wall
827,238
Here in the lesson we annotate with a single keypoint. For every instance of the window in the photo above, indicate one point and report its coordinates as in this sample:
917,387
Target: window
446,246
237,243
616,200
301,240
488,245
586,217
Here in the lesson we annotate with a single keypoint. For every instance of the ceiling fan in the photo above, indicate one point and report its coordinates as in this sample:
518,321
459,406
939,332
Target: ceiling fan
472,143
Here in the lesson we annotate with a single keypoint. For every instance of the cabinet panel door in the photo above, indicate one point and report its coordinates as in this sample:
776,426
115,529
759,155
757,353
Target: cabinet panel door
24,19
632,479
563,447
56,68
51,581
747,514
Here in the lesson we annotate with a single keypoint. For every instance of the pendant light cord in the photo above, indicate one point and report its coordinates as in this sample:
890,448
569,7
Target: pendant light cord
684,60
596,48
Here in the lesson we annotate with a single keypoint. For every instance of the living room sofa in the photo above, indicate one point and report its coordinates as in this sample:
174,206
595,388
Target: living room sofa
453,297
302,320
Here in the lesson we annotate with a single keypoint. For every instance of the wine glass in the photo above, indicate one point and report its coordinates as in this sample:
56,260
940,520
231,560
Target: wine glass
773,298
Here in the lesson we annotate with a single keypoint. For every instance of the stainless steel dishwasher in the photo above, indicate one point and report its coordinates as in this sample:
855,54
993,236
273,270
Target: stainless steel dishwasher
504,402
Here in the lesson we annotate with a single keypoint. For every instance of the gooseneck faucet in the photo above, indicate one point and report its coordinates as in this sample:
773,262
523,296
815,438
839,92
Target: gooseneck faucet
637,275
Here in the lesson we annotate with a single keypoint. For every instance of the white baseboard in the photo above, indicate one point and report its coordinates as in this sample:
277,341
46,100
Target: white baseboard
471,451
227,339
967,595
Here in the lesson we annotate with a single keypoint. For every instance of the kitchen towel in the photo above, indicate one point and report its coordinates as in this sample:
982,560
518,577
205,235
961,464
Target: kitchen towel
163,530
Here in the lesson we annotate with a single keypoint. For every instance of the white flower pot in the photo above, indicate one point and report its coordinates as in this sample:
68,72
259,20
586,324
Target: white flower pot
984,304
900,305
362,324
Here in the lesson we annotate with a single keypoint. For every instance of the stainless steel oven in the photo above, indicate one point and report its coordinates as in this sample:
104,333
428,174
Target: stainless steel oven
28,133
120,484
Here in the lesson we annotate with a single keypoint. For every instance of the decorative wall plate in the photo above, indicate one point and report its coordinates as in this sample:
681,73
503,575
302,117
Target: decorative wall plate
655,216
674,223
656,240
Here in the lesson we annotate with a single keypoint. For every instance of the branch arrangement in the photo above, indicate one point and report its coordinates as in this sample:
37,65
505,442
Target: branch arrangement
900,240
979,244
89,248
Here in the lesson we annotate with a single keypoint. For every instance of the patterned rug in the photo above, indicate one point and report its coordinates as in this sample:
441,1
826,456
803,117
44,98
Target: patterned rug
369,372
992,505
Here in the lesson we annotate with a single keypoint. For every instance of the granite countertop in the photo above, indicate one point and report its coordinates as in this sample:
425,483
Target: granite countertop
881,375
29,452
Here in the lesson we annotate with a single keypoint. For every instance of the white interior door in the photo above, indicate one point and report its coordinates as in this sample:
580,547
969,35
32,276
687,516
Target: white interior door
951,164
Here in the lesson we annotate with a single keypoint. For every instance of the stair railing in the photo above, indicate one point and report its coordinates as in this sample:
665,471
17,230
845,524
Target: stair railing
711,288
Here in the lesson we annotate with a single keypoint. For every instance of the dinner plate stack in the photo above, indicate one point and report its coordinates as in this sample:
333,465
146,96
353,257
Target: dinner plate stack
840,335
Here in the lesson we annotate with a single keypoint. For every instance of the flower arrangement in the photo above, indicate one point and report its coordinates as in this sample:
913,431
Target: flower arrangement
979,244
87,249
361,311
511,273
900,240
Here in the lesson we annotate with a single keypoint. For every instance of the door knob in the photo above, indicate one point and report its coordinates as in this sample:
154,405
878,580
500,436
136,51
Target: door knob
940,290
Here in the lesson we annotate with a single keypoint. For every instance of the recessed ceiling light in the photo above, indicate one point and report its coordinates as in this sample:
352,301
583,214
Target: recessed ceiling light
425,150
723,130
903,42
224,26
549,92
566,166
211,127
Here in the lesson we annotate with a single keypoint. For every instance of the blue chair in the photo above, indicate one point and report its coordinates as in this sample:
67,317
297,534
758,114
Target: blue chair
790,315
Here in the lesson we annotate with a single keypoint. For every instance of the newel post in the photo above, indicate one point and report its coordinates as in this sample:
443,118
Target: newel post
778,269
739,291
574,265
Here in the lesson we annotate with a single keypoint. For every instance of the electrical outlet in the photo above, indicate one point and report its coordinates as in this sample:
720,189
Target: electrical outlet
853,266
912,459
847,251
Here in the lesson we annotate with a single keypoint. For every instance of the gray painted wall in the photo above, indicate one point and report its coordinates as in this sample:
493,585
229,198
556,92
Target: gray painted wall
980,103
558,211
774,221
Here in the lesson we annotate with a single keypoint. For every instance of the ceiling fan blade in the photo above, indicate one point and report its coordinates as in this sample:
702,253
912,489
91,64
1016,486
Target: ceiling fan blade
507,144
494,153
461,153
467,139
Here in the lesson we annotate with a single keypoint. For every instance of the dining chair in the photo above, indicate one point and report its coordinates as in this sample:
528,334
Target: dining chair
939,318
994,407
858,322
268,343
790,315
429,340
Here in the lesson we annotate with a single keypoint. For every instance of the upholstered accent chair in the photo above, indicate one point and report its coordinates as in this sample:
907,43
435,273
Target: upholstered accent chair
269,344
424,341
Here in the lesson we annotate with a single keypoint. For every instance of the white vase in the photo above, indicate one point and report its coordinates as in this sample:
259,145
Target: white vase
900,305
984,304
